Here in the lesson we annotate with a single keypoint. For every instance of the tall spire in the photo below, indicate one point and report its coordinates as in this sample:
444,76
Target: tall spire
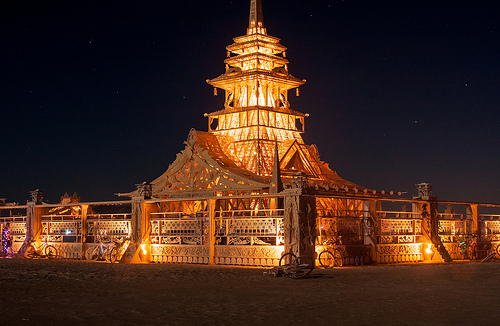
256,21
256,112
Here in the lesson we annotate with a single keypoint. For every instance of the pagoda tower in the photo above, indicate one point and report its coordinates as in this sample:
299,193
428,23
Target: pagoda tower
256,115
254,143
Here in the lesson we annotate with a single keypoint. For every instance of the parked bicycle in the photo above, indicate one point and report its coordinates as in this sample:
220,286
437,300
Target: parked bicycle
332,256
97,253
33,251
494,253
292,266
117,250
100,252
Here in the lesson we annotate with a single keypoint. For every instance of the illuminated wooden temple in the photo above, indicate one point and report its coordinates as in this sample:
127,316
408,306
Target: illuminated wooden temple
254,146
249,188
255,124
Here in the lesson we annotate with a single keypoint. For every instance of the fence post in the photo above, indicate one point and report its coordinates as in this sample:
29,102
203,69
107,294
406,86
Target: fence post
135,222
472,212
85,209
370,223
300,219
139,224
34,215
135,231
433,209
211,231
30,221
147,209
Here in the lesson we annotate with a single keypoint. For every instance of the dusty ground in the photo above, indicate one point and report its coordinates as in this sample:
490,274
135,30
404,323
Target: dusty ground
58,292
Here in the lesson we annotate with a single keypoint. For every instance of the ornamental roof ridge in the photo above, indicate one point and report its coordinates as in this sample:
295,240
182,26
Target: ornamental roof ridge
249,108
232,75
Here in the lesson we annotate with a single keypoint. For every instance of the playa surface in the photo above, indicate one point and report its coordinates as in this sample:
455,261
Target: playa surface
62,292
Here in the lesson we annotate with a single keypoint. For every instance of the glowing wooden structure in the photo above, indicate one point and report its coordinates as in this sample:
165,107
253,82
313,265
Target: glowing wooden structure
249,188
256,113
254,146
256,134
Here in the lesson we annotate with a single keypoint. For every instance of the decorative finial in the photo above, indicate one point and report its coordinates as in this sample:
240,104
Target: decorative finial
256,21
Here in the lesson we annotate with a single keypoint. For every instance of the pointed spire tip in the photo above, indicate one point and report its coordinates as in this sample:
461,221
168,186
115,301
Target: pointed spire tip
256,20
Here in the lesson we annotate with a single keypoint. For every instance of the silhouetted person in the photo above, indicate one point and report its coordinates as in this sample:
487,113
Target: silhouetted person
6,239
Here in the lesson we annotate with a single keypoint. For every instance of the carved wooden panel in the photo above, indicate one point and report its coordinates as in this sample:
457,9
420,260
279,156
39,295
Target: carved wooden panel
69,250
399,253
18,229
248,255
490,230
197,254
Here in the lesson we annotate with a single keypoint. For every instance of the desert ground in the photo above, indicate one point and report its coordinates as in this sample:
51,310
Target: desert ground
65,292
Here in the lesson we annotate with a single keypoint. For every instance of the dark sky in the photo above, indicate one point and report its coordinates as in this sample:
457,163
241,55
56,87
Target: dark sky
97,96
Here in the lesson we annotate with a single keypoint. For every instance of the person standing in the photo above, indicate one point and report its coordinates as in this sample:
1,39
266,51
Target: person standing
6,240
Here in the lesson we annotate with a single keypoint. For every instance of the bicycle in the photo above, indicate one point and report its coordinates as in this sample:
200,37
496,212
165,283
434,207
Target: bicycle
494,252
44,250
292,266
331,257
97,253
117,250
101,250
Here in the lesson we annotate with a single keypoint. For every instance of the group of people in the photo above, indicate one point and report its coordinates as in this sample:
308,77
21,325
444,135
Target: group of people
6,240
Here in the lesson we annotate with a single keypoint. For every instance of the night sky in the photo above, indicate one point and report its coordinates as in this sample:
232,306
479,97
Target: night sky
97,96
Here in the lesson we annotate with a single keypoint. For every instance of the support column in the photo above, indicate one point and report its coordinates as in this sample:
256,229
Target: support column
300,219
370,222
140,226
30,222
428,250
211,230
34,214
472,214
434,218
147,209
132,254
430,226
436,239
300,225
84,210
136,221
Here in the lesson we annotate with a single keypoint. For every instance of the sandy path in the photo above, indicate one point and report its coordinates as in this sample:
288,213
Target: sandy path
57,292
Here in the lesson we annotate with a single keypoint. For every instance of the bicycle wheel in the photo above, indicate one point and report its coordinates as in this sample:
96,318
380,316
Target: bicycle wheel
113,255
106,255
287,259
303,266
22,251
50,252
92,253
30,252
326,259
339,257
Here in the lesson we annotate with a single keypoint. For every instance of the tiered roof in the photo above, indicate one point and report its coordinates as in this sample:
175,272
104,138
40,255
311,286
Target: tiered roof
256,124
